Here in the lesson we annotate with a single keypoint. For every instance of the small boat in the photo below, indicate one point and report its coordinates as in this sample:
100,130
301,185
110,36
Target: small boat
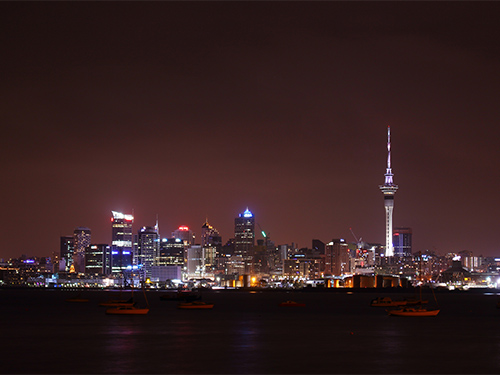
292,304
387,302
195,305
413,311
127,310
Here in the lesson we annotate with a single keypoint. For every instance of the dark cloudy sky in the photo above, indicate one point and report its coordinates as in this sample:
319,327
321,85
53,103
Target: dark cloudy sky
199,109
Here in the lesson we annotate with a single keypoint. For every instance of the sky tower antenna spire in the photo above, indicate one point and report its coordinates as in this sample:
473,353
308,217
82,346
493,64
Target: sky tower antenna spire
388,174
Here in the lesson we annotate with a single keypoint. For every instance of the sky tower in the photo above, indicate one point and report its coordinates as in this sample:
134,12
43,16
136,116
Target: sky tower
389,189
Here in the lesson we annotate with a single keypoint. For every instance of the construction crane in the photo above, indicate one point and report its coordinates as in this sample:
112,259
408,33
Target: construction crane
261,231
266,236
358,242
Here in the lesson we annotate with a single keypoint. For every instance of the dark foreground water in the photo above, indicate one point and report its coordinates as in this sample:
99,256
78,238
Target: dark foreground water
247,333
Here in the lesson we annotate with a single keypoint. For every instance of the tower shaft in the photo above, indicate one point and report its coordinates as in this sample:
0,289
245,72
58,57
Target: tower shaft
388,189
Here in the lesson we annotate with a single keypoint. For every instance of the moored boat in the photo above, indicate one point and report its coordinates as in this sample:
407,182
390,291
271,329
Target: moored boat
127,310
195,305
415,301
387,302
413,311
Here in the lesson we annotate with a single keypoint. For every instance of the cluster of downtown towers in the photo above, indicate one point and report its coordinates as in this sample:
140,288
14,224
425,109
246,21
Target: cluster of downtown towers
169,257
179,257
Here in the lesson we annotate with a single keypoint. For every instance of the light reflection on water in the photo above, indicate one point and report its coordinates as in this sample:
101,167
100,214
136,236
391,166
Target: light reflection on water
250,334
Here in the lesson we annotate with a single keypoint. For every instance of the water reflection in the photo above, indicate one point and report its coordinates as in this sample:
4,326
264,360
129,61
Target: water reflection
246,342
122,337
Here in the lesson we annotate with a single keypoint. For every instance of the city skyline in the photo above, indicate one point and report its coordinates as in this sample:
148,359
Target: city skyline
193,110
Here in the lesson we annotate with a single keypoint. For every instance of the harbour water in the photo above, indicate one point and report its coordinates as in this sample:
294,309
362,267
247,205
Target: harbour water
247,332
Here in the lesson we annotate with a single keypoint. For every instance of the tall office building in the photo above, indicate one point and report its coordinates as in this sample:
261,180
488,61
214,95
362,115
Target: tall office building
389,189
171,252
81,237
401,239
121,242
97,259
337,257
244,239
148,248
211,243
67,245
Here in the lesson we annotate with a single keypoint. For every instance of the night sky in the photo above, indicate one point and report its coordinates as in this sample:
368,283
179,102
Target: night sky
191,110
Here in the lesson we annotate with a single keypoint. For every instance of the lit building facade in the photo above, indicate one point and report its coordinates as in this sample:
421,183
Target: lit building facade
337,258
67,245
244,239
389,189
185,234
82,239
148,248
121,242
211,242
171,252
97,259
401,239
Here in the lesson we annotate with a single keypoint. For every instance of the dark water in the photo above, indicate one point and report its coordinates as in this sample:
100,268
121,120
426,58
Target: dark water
248,333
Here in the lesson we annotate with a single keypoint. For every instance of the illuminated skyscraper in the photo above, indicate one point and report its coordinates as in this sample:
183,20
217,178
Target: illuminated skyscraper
389,189
66,252
81,240
121,242
402,242
211,243
148,248
97,259
244,239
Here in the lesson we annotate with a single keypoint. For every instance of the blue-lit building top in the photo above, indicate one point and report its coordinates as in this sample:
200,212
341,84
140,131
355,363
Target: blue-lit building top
121,242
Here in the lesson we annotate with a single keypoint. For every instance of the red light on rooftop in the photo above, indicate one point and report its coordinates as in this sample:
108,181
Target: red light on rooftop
183,228
112,220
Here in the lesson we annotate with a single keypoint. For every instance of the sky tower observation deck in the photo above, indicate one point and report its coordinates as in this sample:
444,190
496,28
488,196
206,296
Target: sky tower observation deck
389,189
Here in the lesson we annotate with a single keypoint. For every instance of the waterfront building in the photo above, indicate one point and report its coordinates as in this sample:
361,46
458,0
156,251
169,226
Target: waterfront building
67,245
172,252
401,239
244,239
389,189
337,258
148,248
121,242
82,238
97,259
